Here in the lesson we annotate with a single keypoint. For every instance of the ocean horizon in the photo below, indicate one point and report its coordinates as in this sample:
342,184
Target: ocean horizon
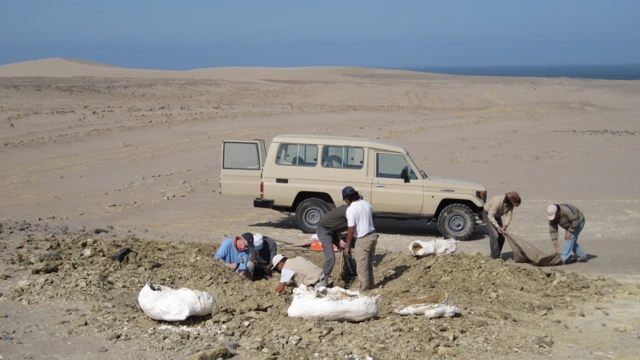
604,72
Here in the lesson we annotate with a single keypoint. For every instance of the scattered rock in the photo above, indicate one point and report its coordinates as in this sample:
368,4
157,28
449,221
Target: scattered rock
213,354
543,341
112,337
446,351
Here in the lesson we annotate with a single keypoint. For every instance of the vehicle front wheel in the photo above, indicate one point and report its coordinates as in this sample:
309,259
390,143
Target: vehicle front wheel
456,221
309,213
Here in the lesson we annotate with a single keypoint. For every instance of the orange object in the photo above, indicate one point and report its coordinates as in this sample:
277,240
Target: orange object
316,245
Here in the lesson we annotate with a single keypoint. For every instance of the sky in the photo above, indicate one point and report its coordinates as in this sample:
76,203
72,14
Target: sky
188,34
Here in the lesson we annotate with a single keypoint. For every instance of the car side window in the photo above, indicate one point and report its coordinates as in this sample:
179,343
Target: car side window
390,166
344,157
297,155
240,156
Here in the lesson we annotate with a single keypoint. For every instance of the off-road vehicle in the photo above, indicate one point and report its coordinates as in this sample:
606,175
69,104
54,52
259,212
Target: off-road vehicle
305,174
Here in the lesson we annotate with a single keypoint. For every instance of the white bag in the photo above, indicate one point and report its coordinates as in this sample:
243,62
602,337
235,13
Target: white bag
421,248
163,303
333,304
447,311
419,306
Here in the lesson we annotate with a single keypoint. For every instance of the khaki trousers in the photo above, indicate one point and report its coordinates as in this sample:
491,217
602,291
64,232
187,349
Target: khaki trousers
365,251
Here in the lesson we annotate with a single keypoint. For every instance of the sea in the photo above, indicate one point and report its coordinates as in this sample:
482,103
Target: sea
608,72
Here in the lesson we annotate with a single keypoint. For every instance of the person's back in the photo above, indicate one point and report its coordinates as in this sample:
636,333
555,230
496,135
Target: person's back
335,219
361,213
306,272
265,253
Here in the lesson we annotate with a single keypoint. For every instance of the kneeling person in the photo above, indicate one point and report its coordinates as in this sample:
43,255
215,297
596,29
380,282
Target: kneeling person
300,270
234,254
261,254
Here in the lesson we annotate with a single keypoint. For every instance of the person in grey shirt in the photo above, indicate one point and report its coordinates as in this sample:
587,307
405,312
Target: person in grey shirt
328,230
261,254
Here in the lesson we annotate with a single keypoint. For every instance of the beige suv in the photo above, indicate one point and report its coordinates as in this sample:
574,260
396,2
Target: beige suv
305,174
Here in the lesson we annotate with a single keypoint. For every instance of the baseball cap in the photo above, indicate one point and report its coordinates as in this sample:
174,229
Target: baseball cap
551,211
348,190
276,260
249,237
258,241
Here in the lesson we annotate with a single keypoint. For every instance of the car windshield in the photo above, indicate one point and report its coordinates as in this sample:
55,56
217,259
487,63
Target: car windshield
422,173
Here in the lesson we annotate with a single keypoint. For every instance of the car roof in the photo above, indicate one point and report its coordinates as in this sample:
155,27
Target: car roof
338,141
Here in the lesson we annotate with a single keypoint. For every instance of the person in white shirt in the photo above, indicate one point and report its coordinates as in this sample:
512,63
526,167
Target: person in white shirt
360,228
300,270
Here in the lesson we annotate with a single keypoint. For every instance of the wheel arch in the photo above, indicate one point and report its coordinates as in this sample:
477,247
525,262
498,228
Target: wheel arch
304,195
446,202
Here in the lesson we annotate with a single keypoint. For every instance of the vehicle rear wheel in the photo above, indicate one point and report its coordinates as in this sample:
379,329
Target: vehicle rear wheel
309,213
456,221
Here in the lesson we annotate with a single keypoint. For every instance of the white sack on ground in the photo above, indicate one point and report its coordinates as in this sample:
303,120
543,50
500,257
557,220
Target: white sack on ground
163,303
420,305
421,248
333,304
447,311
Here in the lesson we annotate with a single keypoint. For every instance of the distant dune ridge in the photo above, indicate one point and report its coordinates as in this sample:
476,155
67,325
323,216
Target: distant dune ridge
61,67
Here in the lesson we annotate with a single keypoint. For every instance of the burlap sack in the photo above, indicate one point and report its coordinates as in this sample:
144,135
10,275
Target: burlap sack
524,251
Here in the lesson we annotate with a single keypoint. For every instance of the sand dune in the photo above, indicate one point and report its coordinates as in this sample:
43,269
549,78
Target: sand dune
62,68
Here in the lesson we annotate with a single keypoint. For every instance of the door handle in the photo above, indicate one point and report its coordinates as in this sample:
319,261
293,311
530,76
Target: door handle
380,185
282,181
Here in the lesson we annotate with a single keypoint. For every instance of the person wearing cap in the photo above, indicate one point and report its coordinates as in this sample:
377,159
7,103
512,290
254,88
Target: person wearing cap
261,255
234,254
300,270
332,224
361,230
497,215
572,220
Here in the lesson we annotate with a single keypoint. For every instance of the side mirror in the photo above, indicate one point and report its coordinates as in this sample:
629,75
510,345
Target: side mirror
405,174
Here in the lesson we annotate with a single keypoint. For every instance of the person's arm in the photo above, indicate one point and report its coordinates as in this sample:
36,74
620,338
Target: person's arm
553,232
340,241
507,219
491,214
285,276
351,223
273,250
350,232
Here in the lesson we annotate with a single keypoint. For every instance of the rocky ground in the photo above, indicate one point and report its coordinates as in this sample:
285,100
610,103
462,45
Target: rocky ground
506,308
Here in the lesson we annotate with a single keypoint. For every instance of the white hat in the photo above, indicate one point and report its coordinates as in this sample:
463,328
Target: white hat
551,211
276,260
257,241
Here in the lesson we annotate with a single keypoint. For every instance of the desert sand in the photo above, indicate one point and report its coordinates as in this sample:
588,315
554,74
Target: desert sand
138,152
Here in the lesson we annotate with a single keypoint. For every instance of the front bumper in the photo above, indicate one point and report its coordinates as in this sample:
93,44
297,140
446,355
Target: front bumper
263,203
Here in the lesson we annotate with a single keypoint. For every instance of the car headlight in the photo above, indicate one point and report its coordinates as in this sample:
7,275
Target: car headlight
482,195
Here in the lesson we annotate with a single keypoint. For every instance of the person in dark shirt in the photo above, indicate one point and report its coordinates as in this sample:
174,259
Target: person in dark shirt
328,230
261,254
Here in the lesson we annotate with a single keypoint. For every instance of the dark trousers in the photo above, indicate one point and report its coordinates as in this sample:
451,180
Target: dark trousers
328,238
496,239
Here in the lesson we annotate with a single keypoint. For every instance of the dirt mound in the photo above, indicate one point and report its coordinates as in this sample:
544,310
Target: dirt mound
494,297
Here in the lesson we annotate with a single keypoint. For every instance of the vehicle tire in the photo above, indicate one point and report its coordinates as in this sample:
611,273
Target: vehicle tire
309,213
456,221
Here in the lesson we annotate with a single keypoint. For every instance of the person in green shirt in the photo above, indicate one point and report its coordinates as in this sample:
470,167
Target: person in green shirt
328,230
572,220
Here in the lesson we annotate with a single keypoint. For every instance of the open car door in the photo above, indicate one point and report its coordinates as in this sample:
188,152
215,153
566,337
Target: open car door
241,167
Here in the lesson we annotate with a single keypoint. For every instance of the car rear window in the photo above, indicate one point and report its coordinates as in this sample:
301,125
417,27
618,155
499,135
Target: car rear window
297,155
343,157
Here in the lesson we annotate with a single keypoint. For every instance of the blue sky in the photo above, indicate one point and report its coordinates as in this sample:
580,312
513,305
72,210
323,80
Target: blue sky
166,34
